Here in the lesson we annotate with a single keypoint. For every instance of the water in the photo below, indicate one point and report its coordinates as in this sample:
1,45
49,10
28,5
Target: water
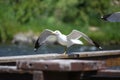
14,50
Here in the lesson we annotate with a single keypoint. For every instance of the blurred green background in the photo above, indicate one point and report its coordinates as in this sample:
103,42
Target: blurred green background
65,15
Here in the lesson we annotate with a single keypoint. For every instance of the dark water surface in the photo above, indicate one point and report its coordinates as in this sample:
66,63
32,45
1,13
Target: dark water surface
14,50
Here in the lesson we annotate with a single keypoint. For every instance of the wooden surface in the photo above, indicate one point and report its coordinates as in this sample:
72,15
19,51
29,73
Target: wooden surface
57,56
94,54
76,66
106,75
109,72
12,69
61,65
112,61
59,69
8,69
31,57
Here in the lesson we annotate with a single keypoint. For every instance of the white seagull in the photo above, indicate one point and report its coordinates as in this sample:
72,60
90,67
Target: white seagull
114,17
49,36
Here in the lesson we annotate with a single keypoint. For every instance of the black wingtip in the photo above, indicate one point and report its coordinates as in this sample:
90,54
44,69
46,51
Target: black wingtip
36,45
105,17
97,45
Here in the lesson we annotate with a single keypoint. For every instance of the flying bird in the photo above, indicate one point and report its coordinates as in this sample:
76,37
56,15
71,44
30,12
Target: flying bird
114,17
49,36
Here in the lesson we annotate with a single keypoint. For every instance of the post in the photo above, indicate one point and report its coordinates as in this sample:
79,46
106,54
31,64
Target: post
38,75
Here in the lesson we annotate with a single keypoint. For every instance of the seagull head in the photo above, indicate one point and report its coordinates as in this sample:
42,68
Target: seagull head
104,17
57,32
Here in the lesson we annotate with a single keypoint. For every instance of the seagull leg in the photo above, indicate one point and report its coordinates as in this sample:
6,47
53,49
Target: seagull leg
65,52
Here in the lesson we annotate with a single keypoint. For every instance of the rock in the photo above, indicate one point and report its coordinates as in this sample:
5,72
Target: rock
93,28
24,38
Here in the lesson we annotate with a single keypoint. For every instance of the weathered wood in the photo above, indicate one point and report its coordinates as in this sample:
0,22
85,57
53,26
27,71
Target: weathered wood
61,65
8,69
58,70
109,72
31,57
12,69
12,73
106,75
94,54
113,61
56,56
38,75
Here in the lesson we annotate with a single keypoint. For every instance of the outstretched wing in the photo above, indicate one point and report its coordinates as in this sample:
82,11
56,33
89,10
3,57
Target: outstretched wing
114,17
42,38
75,34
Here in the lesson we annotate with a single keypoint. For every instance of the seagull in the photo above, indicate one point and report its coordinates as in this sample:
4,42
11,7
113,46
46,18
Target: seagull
49,36
114,17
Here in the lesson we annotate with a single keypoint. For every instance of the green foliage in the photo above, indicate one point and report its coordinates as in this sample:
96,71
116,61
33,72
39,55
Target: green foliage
65,15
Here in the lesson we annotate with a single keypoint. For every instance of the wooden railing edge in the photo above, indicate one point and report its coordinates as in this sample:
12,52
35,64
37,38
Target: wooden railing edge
57,56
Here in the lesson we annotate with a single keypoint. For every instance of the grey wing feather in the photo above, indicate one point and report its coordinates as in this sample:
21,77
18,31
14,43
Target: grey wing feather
75,34
44,35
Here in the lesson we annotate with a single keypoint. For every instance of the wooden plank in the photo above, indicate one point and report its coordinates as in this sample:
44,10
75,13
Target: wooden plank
31,57
78,55
106,75
12,69
94,54
12,73
109,72
8,69
61,65
115,61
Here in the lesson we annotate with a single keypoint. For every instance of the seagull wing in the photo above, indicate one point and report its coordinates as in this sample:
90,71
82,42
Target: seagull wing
42,38
115,17
75,34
